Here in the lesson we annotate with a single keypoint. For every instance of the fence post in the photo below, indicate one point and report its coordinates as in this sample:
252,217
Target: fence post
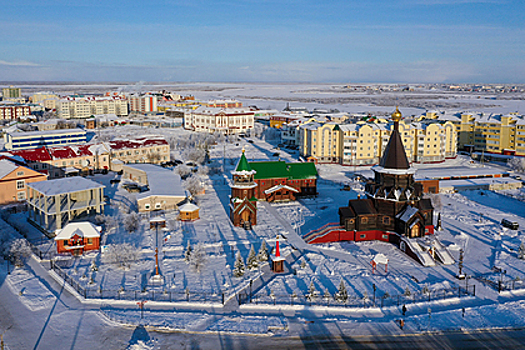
474,291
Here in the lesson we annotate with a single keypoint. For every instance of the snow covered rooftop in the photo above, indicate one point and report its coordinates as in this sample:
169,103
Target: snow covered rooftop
6,167
83,229
161,182
65,185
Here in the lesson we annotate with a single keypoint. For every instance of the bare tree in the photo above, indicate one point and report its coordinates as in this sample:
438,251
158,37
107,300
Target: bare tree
122,255
19,251
154,157
517,164
131,222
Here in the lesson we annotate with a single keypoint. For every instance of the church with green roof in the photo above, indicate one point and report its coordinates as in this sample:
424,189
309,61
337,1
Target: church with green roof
269,181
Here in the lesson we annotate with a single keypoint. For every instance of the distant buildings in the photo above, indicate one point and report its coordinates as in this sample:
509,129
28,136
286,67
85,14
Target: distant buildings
11,93
223,120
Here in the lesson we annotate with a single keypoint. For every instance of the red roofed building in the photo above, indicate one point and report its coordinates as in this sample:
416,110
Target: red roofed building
147,149
59,161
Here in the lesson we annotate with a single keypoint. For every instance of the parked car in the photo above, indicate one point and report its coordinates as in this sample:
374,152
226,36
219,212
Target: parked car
513,225
114,181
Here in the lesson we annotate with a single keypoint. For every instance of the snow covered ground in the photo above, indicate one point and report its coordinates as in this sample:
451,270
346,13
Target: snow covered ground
470,222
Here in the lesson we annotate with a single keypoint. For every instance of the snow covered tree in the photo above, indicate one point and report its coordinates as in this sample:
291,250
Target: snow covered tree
122,255
198,259
187,253
193,185
197,155
327,295
131,222
252,259
342,294
312,293
93,266
20,251
517,164
407,292
262,255
238,268
521,251
183,170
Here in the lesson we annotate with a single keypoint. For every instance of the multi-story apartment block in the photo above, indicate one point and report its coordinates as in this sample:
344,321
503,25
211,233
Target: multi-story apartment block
11,111
11,93
224,120
147,149
84,107
143,104
491,133
41,97
34,139
321,142
364,143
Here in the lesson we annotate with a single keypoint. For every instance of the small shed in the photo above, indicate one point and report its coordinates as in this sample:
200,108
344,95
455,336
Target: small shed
78,237
189,212
277,259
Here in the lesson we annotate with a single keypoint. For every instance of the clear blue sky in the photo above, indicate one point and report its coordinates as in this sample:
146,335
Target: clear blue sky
274,41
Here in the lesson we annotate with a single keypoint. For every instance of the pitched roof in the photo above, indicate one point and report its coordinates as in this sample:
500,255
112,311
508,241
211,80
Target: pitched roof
161,181
281,169
243,164
394,156
6,167
362,206
138,142
33,155
83,229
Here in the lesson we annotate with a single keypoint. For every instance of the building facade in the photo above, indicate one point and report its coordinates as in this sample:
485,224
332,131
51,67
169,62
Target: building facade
84,107
223,120
14,111
147,149
14,179
35,139
143,104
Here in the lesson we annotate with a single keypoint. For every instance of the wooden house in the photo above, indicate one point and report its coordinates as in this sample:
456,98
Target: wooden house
77,238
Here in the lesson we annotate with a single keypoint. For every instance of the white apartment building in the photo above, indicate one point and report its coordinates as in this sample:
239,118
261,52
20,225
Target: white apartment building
84,107
224,120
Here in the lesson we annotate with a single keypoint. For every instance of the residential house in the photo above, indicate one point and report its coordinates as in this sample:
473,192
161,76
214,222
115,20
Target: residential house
14,178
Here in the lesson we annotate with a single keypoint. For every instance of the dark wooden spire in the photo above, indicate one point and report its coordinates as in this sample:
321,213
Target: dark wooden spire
394,156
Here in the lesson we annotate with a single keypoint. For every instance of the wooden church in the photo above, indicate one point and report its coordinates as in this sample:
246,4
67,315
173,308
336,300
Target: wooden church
393,211
394,200
243,204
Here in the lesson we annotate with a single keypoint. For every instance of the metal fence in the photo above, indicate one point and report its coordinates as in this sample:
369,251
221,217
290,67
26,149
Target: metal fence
135,295
500,281
384,300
